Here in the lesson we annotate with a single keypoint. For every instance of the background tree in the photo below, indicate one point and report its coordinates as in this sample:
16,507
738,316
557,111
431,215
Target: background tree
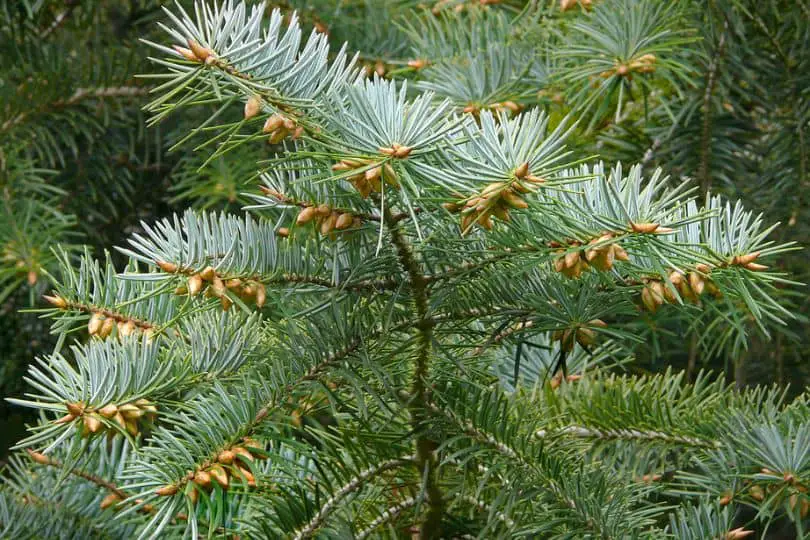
420,324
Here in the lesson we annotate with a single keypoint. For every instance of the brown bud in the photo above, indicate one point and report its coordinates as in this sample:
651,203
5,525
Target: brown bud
513,200
186,53
243,453
738,534
644,228
619,253
401,152
725,500
128,328
119,419
202,479
202,53
168,267
130,411
76,409
208,273
373,173
696,282
306,215
65,419
226,457
261,295
328,224
219,475
92,423
344,221
598,323
273,123
56,301
108,411
166,491
109,500
132,426
754,267
703,268
586,337
648,299
195,284
252,107
250,480
417,64
283,232
42,459
571,259
218,287
390,175
522,170
95,323
106,327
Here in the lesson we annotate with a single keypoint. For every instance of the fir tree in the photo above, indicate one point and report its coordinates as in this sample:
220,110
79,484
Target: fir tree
426,319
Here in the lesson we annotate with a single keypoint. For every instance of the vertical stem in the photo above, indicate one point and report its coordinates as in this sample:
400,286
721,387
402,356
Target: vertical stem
704,175
418,404
693,354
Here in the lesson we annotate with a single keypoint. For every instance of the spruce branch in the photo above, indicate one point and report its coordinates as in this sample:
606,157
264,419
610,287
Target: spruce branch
42,459
309,530
627,435
389,514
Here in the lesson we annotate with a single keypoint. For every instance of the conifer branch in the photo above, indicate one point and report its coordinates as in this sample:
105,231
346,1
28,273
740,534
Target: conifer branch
628,435
389,514
101,482
309,530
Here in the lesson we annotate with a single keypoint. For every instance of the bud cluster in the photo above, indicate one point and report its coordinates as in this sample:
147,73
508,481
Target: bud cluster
795,496
584,335
599,253
747,262
327,220
102,322
213,285
502,106
132,417
197,53
373,172
279,126
496,199
643,64
231,468
690,287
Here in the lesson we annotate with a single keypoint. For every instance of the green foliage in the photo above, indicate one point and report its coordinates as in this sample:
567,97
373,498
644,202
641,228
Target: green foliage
426,307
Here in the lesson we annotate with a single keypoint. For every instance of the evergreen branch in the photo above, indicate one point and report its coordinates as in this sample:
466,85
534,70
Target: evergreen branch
309,530
61,18
477,434
627,435
99,481
389,514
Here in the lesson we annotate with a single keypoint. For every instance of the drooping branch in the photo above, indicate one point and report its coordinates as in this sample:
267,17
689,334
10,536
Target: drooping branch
350,487
628,435
391,513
